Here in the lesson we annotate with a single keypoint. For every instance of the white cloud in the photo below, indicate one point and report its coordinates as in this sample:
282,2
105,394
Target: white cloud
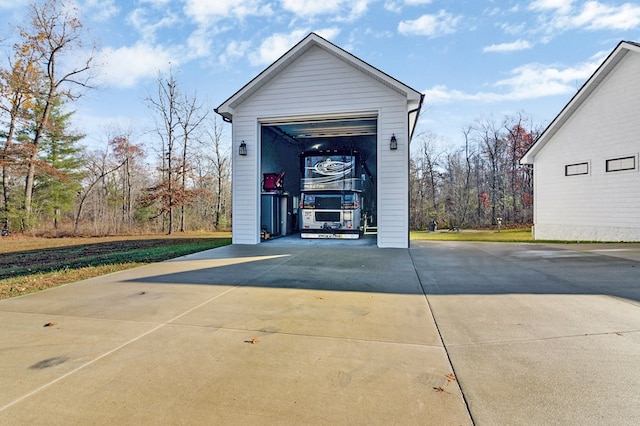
328,33
442,23
343,10
207,12
13,4
278,44
591,15
234,50
563,6
441,94
536,80
275,46
396,5
149,26
513,28
358,8
597,16
101,10
123,67
508,47
393,6
199,43
530,81
155,3
312,7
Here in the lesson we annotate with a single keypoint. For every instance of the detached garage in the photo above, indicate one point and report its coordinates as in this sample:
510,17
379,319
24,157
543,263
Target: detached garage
586,163
320,143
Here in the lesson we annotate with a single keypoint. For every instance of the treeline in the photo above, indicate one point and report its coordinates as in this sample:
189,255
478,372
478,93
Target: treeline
178,182
477,184
178,177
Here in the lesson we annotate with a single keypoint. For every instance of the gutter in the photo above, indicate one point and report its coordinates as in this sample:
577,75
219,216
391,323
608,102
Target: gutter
224,117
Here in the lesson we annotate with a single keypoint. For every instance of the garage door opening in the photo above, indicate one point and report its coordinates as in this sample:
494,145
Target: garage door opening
319,178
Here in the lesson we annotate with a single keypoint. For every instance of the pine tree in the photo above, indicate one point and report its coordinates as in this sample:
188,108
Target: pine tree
60,161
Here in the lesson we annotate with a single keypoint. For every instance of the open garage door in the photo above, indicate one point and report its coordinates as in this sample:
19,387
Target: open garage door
319,178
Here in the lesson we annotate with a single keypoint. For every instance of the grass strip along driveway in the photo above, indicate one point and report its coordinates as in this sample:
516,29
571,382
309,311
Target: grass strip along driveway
32,264
518,235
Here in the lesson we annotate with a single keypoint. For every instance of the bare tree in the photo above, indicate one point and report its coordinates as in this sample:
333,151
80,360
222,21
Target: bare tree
221,161
519,139
179,118
166,105
483,174
98,169
492,145
127,153
191,118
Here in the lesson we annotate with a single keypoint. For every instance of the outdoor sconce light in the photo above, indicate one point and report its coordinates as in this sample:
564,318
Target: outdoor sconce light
242,150
393,144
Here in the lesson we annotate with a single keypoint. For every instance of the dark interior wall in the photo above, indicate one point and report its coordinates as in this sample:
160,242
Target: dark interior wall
281,155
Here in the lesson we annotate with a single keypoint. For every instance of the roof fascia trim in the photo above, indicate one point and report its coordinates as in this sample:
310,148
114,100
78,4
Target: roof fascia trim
226,109
592,83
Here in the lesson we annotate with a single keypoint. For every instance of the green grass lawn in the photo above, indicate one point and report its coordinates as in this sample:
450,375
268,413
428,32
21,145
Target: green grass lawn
504,235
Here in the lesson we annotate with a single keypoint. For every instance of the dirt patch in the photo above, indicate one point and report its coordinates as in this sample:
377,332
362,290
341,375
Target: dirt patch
31,264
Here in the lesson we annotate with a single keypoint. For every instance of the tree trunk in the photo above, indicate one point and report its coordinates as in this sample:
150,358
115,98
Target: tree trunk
35,145
5,173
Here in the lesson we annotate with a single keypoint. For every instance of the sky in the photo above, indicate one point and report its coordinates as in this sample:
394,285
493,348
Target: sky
473,59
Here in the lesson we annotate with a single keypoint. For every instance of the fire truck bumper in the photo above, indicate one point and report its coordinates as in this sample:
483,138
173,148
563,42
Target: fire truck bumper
345,236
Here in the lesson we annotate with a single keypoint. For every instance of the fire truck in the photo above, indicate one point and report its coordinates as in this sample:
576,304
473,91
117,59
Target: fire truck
331,194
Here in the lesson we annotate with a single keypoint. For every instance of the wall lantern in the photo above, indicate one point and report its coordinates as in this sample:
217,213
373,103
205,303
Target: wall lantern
242,150
393,144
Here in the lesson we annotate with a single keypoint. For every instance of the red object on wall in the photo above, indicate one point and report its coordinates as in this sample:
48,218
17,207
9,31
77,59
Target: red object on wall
272,182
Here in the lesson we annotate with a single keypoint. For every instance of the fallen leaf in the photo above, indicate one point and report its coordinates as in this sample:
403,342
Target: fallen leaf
450,377
50,324
439,389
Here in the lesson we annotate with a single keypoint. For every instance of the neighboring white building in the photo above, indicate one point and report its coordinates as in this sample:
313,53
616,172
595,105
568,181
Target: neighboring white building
586,165
318,95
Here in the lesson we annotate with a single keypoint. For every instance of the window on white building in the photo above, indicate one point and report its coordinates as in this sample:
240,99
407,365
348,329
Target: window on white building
623,163
576,169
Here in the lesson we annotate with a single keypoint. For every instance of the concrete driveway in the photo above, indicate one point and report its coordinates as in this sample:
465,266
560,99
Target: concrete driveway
293,333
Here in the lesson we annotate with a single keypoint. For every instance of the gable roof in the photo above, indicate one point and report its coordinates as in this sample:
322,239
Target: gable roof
414,97
580,97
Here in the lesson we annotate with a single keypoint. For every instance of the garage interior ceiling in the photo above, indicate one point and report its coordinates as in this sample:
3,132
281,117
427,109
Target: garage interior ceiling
328,129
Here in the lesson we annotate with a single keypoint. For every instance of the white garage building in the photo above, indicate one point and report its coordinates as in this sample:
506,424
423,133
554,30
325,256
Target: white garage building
319,98
586,174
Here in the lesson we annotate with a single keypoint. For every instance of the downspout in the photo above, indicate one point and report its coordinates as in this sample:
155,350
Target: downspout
417,111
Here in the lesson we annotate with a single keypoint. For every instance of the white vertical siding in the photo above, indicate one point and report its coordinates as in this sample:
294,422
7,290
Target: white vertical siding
319,83
393,178
600,206
246,183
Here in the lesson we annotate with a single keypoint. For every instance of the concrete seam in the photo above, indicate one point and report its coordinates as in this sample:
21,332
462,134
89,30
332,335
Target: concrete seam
444,345
311,336
93,361
542,339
